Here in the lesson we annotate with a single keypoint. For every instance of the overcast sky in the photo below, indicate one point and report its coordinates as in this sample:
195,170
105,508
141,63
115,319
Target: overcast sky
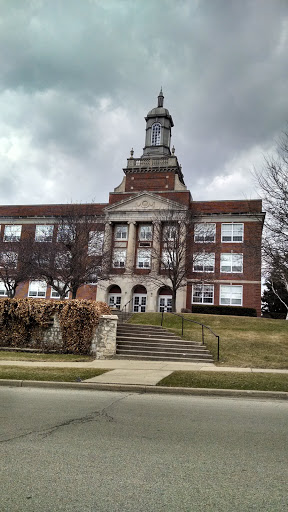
77,78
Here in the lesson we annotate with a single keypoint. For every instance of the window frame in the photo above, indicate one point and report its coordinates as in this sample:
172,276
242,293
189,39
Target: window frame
231,287
12,238
95,247
38,291
147,251
205,226
44,237
120,227
202,286
3,289
205,255
156,134
231,255
149,231
119,250
231,240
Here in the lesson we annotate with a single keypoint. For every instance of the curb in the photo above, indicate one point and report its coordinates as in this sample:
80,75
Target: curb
96,386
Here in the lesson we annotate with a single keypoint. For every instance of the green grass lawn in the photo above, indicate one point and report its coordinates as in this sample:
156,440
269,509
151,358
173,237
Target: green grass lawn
52,374
227,380
244,341
9,355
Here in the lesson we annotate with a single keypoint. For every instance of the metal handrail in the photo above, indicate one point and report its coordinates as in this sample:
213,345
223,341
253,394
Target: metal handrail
199,323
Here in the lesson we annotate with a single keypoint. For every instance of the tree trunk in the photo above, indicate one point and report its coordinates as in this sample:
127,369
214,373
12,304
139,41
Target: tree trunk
74,292
174,292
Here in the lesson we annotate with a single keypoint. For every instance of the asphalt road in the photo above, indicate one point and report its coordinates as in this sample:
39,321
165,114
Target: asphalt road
105,451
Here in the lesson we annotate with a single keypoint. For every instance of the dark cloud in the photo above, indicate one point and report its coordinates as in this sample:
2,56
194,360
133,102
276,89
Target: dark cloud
77,79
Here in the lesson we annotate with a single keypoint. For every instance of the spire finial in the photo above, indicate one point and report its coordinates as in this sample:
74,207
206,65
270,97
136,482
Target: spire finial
160,98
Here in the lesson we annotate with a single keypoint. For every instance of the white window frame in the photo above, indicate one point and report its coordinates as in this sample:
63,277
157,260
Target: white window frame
9,257
65,233
234,226
145,233
55,295
168,259
12,233
226,260
143,258
44,233
204,293
119,258
204,261
121,232
170,232
156,134
3,291
230,299
95,243
37,289
204,230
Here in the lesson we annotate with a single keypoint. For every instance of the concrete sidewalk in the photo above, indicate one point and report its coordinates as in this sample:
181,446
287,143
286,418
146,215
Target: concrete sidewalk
135,372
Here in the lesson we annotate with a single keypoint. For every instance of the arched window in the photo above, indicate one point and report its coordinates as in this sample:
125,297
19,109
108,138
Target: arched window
156,134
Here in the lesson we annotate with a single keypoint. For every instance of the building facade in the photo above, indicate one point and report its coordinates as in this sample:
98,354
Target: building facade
222,258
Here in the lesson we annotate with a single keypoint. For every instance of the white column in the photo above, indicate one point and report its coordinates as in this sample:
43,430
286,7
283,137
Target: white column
156,247
107,247
130,258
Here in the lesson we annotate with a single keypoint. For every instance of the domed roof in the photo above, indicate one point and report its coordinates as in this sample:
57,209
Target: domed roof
158,111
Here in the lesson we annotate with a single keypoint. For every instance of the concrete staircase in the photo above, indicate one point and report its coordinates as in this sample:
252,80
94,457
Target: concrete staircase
148,342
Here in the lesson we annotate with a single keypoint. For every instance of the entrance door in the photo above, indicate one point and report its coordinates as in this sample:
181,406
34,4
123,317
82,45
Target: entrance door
115,300
165,303
139,303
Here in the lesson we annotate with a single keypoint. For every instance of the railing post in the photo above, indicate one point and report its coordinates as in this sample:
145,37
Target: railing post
182,325
202,334
218,352
162,318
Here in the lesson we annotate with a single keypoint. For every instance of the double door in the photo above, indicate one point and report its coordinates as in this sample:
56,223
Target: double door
165,303
139,303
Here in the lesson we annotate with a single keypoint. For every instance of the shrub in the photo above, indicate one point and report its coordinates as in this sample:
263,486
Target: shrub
22,322
223,310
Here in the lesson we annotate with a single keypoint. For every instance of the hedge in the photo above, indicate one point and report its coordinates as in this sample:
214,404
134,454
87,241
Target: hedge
223,310
22,322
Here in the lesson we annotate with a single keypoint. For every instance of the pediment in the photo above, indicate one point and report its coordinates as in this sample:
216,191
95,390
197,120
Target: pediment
145,201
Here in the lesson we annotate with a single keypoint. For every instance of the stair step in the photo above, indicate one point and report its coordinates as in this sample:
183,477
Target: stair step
138,339
146,333
179,353
164,358
161,348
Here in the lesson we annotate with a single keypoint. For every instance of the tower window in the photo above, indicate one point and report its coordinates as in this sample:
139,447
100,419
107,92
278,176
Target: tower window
156,134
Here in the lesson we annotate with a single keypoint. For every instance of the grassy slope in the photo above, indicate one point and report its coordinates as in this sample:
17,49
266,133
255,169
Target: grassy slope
52,374
244,341
9,355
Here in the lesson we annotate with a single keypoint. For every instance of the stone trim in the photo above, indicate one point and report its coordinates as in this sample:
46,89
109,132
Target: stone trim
103,344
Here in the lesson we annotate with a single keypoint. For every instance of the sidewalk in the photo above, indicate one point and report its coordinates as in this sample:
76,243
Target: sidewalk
135,372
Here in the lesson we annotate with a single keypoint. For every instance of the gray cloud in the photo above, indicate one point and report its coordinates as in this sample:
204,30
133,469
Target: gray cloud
77,79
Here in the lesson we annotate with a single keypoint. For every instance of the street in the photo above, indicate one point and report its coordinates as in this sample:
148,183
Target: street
65,450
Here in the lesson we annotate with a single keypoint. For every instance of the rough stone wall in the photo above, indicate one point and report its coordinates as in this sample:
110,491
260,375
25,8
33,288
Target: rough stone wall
52,337
104,340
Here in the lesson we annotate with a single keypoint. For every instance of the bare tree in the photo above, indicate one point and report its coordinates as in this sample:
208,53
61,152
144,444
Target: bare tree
74,257
15,264
273,181
176,256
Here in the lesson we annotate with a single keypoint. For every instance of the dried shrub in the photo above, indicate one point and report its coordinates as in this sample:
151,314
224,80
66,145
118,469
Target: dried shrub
78,321
23,321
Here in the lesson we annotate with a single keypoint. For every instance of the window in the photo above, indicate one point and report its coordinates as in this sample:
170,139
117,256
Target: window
3,291
203,294
37,289
121,232
170,232
44,233
8,259
232,232
231,295
119,258
156,134
66,233
204,262
12,233
144,258
231,262
145,233
95,244
62,260
204,232
168,259
55,294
